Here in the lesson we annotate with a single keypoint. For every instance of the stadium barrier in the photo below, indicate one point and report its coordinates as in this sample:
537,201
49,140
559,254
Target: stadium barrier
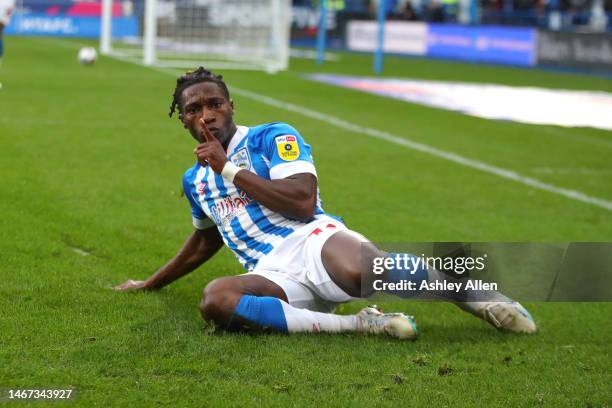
501,45
493,44
70,18
486,44
575,50
36,24
400,37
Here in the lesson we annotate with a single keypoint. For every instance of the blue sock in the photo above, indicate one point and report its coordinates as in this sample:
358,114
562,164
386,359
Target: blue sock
1,47
270,312
266,312
409,269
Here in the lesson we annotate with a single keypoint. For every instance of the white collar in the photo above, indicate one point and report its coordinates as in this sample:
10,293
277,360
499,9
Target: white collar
241,132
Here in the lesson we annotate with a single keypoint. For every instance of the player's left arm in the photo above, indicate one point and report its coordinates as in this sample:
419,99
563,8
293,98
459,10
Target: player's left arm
294,196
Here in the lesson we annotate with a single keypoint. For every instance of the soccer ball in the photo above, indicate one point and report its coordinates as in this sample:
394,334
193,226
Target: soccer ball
87,55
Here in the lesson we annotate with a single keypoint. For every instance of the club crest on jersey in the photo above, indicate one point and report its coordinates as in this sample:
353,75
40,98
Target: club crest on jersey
241,159
288,148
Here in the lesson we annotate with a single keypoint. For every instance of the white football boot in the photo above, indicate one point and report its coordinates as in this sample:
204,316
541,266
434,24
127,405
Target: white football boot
399,325
508,315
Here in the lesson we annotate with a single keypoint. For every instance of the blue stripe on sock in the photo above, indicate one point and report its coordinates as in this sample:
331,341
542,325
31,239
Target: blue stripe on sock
264,311
417,275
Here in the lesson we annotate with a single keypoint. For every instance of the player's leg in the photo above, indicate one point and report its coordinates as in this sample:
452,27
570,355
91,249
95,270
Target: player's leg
222,296
6,11
349,258
252,302
311,272
1,40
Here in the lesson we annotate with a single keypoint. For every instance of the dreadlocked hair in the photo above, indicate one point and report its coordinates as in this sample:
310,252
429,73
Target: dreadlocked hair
201,74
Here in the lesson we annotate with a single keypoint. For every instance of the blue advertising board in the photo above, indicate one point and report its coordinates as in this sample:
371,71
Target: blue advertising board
500,45
69,26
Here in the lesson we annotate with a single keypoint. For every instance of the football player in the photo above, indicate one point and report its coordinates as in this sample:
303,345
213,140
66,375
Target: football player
255,191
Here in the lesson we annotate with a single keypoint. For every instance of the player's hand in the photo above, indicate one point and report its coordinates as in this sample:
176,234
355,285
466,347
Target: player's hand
210,151
131,285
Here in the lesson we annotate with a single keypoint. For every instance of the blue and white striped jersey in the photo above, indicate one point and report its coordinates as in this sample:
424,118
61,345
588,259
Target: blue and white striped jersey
250,230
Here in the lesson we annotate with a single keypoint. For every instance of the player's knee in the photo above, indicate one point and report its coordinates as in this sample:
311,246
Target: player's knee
218,303
215,307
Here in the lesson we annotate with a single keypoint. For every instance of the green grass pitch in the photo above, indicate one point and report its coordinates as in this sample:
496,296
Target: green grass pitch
91,171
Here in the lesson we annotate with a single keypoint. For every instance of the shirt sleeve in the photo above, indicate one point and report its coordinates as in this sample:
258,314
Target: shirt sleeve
199,219
287,152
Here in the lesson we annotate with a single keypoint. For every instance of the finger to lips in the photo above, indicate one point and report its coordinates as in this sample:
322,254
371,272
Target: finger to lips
208,137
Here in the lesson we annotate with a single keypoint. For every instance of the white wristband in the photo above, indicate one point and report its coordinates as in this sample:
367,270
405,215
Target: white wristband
229,171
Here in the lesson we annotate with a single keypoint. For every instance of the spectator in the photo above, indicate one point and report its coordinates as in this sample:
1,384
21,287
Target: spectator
407,13
434,12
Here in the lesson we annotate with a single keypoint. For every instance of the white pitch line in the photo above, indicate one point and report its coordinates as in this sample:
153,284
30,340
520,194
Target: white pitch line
423,148
80,251
571,171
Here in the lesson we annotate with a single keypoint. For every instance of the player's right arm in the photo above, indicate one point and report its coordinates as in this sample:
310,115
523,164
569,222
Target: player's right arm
198,248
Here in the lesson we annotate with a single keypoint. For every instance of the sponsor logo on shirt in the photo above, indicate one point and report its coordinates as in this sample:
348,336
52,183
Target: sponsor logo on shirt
228,208
287,147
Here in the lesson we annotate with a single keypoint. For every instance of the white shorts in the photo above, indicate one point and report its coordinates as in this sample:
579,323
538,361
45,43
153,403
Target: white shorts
296,266
6,11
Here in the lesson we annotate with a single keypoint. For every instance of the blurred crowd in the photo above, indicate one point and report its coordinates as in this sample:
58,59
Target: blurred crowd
411,10
569,13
